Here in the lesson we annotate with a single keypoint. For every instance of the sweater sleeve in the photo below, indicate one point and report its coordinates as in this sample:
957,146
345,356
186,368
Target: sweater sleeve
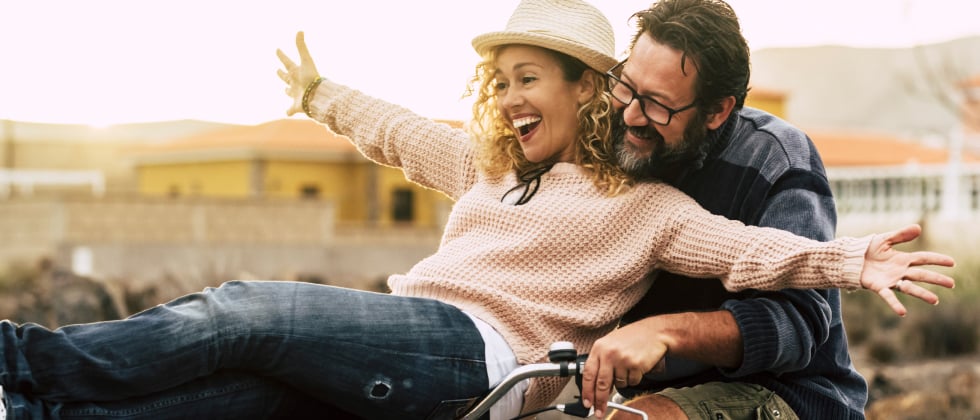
697,243
782,331
430,153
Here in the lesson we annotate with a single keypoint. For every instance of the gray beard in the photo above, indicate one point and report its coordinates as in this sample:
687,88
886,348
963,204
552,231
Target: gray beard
691,152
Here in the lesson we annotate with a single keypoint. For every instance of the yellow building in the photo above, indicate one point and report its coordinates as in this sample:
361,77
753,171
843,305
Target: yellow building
771,101
289,159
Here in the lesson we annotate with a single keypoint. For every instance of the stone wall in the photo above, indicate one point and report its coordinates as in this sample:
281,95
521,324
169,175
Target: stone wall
200,240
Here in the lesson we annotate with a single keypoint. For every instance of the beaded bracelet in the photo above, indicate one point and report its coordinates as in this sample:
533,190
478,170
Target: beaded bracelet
308,93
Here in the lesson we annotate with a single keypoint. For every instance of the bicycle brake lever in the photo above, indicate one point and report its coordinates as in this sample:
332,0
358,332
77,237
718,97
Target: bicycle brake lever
580,362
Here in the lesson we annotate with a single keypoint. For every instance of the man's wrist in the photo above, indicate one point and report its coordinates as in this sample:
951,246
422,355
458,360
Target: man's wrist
708,337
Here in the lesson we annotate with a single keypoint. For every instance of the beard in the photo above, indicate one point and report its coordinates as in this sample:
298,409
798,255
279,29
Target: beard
690,152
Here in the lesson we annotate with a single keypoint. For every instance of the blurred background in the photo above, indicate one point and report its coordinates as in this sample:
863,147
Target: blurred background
145,153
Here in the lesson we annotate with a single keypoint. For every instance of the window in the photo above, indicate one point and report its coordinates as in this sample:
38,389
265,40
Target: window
309,191
403,205
975,194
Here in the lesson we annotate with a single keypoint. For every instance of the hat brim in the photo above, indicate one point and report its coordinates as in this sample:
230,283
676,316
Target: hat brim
596,60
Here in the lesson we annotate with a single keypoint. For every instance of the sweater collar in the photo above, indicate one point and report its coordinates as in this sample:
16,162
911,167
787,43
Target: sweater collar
722,136
718,140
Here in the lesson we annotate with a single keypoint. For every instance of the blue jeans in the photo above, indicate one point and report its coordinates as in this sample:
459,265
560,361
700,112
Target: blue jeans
223,395
375,355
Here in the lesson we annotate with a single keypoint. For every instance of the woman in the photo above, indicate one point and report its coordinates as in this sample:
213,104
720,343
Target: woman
548,241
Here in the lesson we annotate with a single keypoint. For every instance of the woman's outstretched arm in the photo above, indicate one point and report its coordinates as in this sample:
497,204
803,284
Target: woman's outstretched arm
691,241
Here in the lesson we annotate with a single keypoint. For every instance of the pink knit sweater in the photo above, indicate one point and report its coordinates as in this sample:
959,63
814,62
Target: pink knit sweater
566,265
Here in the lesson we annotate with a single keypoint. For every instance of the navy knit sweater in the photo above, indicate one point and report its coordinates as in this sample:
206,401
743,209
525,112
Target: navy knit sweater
763,171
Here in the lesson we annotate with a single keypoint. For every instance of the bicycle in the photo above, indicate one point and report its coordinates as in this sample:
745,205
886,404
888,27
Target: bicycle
564,362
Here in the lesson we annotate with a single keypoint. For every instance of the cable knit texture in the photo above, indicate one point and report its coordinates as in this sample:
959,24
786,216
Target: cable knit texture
569,263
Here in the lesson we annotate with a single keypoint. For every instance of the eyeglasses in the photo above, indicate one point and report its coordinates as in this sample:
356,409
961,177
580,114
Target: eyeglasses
655,111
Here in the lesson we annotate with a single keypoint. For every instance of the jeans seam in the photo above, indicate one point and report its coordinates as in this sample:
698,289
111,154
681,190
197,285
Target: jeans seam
204,394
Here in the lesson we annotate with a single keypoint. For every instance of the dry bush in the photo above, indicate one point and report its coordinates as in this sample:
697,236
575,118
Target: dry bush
952,330
51,296
882,350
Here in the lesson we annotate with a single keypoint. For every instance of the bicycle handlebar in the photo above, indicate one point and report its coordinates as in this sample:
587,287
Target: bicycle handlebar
564,363
561,369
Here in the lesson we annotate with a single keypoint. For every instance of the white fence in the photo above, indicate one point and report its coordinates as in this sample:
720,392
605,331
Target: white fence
871,199
25,180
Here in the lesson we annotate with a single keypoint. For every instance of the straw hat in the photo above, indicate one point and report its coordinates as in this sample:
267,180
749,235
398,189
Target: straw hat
573,27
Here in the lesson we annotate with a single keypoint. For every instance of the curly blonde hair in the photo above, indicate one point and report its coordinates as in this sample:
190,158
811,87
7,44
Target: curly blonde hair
498,150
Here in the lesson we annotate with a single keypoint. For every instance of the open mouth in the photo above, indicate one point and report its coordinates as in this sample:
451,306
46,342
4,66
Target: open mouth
526,125
644,133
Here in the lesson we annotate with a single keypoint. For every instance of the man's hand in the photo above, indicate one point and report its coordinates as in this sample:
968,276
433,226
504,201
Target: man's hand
629,352
621,358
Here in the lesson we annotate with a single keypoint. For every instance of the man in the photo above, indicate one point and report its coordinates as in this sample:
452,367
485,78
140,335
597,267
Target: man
680,94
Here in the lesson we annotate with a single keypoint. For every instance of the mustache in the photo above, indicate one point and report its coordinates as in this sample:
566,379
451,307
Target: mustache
620,128
645,132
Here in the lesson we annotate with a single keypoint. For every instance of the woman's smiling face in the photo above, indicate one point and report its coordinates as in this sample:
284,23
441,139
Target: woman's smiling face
539,104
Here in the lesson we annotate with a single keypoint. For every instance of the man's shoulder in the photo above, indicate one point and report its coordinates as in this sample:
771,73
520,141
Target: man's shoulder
761,139
769,129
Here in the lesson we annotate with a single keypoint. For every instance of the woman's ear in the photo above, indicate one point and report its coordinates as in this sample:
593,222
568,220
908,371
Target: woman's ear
724,108
587,86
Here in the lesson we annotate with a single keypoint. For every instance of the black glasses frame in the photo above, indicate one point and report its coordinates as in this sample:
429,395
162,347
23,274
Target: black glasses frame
615,80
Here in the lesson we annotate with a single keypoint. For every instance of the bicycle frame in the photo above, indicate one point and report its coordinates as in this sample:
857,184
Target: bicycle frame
565,362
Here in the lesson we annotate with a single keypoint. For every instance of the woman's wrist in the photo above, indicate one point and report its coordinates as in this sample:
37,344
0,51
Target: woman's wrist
308,95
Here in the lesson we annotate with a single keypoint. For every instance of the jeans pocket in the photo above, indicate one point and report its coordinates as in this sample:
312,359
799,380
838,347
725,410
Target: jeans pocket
776,408
772,409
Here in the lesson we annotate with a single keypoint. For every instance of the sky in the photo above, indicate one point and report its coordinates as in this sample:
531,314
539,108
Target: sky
103,62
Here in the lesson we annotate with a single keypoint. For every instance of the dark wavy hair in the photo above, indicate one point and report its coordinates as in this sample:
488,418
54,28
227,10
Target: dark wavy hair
708,32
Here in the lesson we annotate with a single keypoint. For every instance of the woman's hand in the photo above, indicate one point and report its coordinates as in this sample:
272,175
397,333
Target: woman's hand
887,270
297,77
